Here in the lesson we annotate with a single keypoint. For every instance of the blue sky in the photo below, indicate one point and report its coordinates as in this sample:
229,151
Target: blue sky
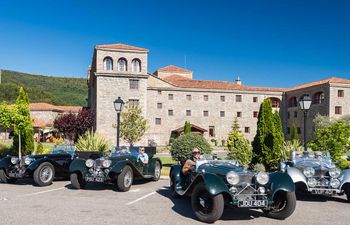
267,43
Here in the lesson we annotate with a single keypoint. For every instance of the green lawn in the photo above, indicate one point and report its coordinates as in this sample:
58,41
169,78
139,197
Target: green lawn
167,162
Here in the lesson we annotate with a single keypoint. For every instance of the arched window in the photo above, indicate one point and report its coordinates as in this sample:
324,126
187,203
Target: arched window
276,102
122,65
108,63
292,102
136,65
318,98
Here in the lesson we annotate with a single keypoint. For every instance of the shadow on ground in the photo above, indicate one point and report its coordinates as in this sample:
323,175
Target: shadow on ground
319,198
182,206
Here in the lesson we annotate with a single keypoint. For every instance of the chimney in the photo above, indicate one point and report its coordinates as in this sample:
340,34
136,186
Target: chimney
238,81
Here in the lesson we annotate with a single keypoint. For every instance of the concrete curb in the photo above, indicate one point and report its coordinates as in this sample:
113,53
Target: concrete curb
164,177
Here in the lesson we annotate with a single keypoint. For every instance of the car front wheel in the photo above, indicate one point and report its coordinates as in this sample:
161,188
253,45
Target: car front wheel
44,174
125,179
207,208
77,181
157,170
283,206
5,179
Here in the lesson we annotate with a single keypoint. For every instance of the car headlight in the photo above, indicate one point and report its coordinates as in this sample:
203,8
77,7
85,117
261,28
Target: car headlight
309,171
28,160
335,183
283,166
106,163
232,178
334,172
312,182
262,178
14,160
89,163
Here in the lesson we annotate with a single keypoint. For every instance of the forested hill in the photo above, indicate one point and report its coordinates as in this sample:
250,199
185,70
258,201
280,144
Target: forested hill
49,89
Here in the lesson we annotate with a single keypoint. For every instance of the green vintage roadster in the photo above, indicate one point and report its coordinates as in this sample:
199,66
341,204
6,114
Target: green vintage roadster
121,168
212,184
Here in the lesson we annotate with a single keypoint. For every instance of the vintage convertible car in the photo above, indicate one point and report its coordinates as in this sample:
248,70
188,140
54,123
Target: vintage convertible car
120,167
212,184
315,173
42,168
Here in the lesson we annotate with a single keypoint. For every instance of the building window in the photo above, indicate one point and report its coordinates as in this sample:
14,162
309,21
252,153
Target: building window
288,130
211,131
205,113
275,102
255,99
188,112
295,114
255,114
170,96
299,130
340,93
205,97
122,65
288,115
136,65
222,98
318,98
239,114
292,102
134,84
158,121
159,105
134,102
189,97
222,113
108,63
247,130
159,92
238,98
338,110
170,112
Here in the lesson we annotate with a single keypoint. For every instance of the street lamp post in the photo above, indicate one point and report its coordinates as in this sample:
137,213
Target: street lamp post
118,106
305,104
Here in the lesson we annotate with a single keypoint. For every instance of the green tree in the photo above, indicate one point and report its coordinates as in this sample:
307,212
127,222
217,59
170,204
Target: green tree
133,125
5,116
335,138
268,140
187,128
294,133
238,146
23,139
182,146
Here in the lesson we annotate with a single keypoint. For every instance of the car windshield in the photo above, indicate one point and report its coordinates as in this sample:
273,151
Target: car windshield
216,162
125,150
63,149
311,158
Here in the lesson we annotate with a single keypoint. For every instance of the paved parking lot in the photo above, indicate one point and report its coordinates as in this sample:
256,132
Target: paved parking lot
145,203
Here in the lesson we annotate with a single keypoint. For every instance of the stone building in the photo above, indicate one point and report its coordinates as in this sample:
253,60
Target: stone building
170,96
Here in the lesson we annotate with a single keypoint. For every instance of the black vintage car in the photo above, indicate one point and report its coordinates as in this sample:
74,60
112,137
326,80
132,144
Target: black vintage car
213,184
42,168
121,168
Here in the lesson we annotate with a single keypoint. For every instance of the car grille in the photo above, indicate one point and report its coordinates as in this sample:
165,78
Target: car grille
98,163
245,179
321,173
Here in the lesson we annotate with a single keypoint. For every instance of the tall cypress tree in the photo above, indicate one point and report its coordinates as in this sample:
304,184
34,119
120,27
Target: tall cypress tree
187,128
23,139
294,133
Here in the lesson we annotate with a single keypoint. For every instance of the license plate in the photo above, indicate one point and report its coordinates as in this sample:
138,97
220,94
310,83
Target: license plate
252,203
322,192
94,179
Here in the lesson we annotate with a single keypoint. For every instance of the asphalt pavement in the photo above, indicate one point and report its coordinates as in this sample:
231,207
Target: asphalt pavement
145,203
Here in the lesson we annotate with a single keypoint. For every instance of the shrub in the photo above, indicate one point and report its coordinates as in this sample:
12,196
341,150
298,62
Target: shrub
91,141
39,149
344,164
214,141
223,142
288,146
239,148
182,146
259,167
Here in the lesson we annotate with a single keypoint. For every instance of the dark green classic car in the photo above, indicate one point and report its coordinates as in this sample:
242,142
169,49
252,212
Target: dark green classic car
212,184
120,168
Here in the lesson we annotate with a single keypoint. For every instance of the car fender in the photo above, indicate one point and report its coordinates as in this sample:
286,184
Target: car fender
214,184
346,178
78,165
118,167
175,171
296,175
5,162
36,163
281,182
